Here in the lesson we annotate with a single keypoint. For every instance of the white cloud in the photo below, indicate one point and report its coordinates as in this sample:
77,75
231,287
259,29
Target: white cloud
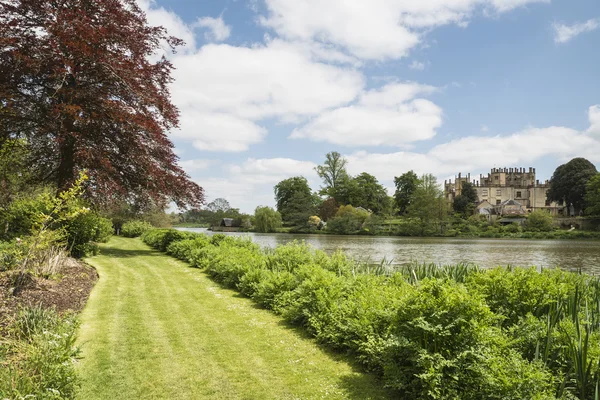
508,5
275,80
273,170
417,66
218,31
484,129
594,117
224,92
250,184
386,116
191,166
377,29
218,131
564,33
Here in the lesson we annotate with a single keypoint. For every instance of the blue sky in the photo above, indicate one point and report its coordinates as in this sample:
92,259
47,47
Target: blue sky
267,87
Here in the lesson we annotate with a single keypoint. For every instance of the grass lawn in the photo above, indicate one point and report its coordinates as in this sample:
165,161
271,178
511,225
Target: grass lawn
155,328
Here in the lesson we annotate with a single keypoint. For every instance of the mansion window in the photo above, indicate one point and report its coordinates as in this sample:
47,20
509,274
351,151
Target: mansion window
498,192
518,195
498,201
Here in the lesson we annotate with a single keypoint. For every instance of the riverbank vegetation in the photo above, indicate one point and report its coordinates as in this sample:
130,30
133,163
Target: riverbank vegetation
156,329
429,332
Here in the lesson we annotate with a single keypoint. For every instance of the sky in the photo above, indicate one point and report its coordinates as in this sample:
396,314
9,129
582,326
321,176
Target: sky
266,88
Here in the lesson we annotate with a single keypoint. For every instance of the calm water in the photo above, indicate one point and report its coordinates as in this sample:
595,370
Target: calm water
566,254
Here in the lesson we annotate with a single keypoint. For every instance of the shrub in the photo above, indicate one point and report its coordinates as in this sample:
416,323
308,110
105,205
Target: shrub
516,292
347,220
84,230
135,228
160,239
539,221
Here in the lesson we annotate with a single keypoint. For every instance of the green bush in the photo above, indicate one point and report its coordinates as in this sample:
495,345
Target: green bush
135,228
430,332
160,239
84,231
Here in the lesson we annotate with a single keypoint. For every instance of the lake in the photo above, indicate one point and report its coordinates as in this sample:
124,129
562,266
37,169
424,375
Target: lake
566,254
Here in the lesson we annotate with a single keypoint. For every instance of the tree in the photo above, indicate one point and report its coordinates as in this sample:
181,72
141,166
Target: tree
592,196
465,203
428,205
77,82
332,172
405,187
266,219
328,208
370,194
218,204
569,181
295,200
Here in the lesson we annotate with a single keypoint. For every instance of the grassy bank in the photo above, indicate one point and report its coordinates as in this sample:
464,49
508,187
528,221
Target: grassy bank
429,332
155,328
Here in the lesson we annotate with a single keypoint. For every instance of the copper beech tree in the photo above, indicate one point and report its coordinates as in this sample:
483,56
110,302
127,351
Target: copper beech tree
81,82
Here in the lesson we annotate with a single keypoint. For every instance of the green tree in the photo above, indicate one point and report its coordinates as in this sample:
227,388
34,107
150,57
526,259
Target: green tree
370,194
266,219
592,196
539,221
295,201
333,171
405,187
464,204
428,205
569,183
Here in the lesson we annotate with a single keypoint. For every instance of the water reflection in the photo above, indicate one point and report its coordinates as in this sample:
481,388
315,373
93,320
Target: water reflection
566,254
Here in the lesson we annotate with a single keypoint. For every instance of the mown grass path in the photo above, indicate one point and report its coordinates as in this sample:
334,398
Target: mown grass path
155,328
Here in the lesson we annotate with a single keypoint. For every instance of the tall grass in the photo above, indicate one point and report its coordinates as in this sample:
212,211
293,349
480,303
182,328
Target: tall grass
37,356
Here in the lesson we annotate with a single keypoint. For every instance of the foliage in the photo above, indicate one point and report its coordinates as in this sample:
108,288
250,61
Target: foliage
101,103
428,206
135,228
333,171
347,220
592,196
328,209
539,221
431,332
295,201
38,356
464,204
370,194
568,183
406,184
14,171
84,231
266,219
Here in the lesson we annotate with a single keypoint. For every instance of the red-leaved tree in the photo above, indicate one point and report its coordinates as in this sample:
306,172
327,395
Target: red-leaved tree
77,81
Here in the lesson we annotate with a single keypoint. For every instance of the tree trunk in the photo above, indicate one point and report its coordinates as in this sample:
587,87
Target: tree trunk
66,168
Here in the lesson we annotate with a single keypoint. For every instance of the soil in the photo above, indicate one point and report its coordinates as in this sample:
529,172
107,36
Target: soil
67,291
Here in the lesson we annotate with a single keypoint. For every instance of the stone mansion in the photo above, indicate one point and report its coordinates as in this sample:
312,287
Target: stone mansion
514,186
